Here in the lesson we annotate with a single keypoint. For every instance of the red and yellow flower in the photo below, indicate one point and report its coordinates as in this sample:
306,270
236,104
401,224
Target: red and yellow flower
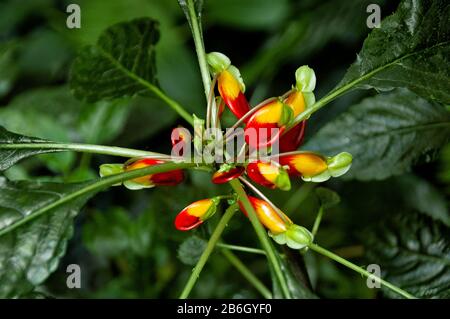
267,124
230,84
270,175
225,175
314,167
276,222
170,178
196,213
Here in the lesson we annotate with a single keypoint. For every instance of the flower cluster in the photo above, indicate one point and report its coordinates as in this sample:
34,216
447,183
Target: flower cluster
277,120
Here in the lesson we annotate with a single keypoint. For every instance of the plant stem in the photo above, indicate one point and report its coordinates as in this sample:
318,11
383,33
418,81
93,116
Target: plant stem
208,250
262,235
242,248
298,197
247,273
317,221
93,187
86,148
199,48
358,269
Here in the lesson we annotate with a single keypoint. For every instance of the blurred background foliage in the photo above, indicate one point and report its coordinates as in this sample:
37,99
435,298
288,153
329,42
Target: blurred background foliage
124,240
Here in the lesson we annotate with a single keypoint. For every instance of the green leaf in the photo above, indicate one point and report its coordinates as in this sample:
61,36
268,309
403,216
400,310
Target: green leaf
121,63
29,253
413,253
10,156
386,134
410,50
191,249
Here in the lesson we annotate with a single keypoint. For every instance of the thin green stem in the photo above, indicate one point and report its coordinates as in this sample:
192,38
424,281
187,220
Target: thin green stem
263,290
317,221
262,235
208,250
358,269
298,197
93,187
85,148
199,48
242,248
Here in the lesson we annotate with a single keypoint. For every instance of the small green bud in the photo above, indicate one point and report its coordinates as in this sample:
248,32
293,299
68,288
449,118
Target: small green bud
305,79
218,61
283,182
110,169
340,164
298,237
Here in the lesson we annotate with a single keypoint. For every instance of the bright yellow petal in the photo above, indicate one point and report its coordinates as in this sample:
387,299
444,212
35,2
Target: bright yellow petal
271,113
228,85
199,208
309,164
270,219
270,172
297,102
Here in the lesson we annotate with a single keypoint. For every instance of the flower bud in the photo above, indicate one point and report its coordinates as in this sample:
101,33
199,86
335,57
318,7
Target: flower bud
267,124
226,174
275,222
196,213
313,167
231,89
305,79
159,179
270,175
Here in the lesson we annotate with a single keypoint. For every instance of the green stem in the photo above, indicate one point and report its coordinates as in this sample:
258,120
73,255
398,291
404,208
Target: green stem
199,48
262,235
317,221
96,186
208,250
242,248
358,269
247,273
85,148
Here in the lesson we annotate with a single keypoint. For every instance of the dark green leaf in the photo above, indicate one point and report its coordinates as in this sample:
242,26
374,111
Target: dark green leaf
9,156
30,252
122,63
191,250
386,134
413,252
411,49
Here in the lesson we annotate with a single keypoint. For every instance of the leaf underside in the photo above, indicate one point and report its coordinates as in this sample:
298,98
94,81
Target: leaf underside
30,252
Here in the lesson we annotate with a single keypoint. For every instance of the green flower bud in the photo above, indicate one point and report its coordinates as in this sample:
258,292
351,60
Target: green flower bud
110,169
283,182
298,237
218,61
305,79
340,164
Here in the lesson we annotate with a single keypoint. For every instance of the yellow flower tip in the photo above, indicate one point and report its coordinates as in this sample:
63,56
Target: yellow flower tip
229,87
